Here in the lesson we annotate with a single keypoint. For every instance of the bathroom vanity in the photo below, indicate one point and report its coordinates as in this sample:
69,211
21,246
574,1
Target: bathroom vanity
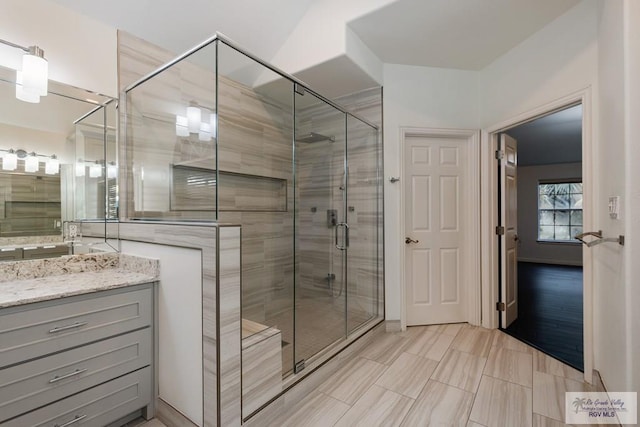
77,347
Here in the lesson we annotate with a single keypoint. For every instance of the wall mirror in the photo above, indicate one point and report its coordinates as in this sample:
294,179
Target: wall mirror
58,171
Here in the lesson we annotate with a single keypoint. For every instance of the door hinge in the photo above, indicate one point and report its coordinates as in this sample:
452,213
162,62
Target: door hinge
499,154
500,230
299,366
500,306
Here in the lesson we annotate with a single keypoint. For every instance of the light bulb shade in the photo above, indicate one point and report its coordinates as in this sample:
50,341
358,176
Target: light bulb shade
205,132
9,161
31,164
194,117
112,171
80,169
52,167
214,125
182,126
95,171
35,74
24,94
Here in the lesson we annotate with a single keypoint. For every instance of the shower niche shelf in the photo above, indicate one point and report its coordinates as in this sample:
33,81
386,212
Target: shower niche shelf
192,187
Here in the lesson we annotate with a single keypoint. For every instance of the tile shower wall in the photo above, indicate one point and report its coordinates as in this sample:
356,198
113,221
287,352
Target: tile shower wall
320,162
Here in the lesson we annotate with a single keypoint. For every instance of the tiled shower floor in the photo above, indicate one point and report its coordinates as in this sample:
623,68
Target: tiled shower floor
320,322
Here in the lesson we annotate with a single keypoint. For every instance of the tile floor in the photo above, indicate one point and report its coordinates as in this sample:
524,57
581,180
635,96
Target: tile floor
443,375
453,375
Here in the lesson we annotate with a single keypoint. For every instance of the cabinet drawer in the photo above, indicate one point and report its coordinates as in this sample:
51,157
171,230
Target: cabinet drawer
37,383
98,406
38,329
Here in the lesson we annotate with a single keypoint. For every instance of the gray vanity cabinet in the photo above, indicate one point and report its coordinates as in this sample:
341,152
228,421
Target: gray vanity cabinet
83,360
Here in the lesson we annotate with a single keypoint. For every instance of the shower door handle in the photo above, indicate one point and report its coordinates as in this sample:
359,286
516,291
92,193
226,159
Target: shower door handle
346,235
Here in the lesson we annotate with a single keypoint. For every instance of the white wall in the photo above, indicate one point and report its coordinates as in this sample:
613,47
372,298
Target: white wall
81,52
617,316
179,324
586,47
35,140
529,249
632,193
556,61
418,97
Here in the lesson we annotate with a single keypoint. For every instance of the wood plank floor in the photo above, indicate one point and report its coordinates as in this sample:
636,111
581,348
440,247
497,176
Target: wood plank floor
550,310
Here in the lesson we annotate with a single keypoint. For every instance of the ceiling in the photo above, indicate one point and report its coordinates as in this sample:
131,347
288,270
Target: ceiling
553,139
180,25
463,34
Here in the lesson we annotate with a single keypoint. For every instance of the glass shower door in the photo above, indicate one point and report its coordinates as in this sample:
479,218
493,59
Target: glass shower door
363,193
320,226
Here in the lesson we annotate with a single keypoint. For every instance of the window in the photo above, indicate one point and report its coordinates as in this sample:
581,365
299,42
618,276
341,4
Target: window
559,211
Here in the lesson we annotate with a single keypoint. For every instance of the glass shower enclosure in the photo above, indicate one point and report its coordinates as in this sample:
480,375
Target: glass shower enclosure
219,135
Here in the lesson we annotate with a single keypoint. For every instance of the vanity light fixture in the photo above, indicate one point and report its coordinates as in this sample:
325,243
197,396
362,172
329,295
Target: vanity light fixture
95,170
182,126
32,81
10,160
194,117
112,170
196,121
31,163
80,168
52,167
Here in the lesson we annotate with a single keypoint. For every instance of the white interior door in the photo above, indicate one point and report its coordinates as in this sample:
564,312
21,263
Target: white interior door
509,239
435,216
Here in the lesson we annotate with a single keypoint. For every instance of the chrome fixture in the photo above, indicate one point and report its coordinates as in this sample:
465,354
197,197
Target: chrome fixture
32,81
315,137
599,239
31,163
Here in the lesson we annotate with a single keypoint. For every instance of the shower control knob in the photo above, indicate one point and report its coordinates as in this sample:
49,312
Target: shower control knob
408,240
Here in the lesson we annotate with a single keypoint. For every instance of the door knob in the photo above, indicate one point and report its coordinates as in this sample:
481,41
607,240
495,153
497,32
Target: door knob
516,238
408,240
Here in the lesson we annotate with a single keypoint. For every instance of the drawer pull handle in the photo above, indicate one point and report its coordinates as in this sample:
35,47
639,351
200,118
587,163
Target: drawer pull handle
77,418
66,328
65,376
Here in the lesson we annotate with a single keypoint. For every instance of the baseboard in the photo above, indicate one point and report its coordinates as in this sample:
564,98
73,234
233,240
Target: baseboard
393,326
551,261
170,416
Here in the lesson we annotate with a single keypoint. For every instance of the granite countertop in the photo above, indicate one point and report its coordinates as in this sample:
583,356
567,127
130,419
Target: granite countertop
25,282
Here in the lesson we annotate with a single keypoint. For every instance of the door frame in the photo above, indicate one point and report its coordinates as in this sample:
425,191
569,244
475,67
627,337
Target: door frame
489,212
472,263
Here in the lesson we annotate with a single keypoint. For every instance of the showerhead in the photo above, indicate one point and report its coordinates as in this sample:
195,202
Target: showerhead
315,137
